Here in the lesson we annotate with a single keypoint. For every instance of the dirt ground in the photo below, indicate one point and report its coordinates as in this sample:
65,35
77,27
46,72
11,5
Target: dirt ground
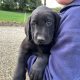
10,40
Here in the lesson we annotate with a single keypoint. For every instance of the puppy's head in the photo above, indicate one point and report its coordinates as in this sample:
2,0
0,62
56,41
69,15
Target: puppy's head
42,26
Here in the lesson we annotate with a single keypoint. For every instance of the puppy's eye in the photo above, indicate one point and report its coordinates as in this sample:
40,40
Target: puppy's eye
48,23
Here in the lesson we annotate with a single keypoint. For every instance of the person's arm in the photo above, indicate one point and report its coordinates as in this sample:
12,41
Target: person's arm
64,61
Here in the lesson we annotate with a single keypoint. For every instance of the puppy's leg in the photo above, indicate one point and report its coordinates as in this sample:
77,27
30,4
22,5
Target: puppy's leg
21,68
20,73
37,69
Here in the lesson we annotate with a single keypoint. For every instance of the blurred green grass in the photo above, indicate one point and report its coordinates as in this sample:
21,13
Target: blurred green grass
7,16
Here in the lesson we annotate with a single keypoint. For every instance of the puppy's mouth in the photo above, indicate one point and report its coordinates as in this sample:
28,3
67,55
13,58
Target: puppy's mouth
41,41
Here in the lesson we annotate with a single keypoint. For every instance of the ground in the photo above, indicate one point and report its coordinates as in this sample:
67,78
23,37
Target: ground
10,40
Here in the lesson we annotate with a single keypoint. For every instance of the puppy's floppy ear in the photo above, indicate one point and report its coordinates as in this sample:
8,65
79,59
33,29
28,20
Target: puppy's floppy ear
28,29
57,21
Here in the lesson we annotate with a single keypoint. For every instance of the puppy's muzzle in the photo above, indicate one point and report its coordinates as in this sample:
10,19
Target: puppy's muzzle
40,39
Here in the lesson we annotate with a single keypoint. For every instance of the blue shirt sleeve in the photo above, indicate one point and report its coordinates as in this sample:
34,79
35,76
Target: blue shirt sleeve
64,61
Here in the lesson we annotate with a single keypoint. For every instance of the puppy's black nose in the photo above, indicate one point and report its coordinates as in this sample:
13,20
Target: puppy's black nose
40,39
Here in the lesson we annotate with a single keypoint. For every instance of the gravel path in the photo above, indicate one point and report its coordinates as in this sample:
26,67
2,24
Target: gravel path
10,40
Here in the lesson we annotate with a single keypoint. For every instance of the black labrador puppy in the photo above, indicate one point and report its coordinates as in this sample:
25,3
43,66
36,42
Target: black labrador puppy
41,32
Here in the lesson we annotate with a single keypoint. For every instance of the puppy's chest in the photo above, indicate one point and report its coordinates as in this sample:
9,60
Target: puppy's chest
41,51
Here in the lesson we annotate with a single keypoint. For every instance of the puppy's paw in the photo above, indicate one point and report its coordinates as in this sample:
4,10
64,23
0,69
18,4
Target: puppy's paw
37,69
36,73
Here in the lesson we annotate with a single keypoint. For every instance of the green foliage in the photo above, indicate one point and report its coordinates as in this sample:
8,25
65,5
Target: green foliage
7,4
32,4
22,5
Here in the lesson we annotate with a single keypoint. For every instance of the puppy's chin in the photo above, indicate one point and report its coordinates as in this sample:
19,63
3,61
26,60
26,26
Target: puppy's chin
42,43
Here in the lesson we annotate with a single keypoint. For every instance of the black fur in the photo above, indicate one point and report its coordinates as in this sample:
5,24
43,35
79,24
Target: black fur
41,32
